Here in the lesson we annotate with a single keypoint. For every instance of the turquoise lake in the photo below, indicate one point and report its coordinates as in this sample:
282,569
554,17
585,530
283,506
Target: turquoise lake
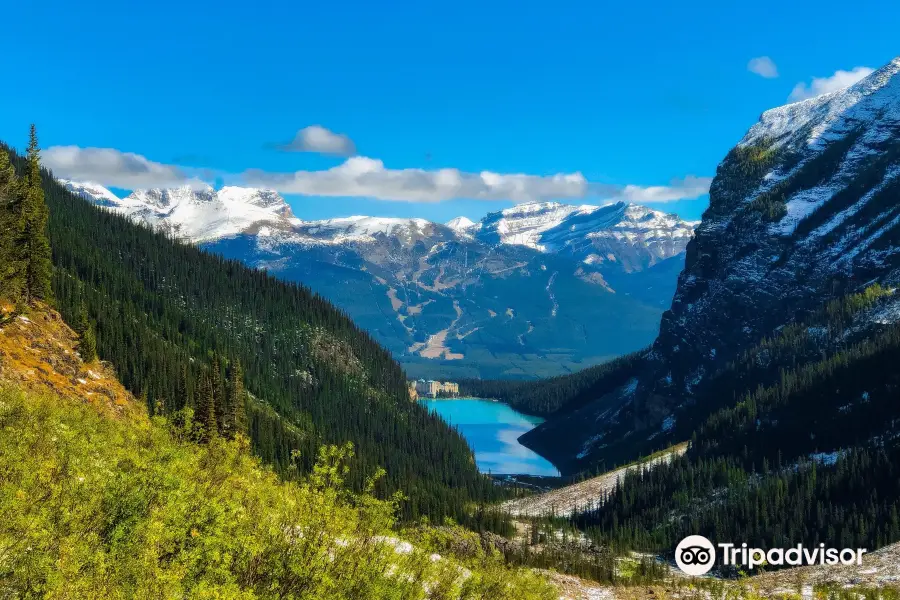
492,429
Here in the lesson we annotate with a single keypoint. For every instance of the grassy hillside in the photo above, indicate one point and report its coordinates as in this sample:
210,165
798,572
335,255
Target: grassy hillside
99,507
167,315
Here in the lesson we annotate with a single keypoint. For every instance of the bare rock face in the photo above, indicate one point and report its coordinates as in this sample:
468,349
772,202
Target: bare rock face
804,209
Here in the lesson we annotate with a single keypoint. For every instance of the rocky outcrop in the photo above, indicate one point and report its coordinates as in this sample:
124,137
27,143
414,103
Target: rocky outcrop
39,352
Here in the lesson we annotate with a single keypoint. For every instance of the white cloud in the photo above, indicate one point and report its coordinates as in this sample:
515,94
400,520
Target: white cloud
366,177
679,189
361,177
763,66
316,138
113,168
824,85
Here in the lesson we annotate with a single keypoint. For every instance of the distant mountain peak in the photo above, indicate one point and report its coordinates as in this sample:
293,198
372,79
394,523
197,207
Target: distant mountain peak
460,224
196,214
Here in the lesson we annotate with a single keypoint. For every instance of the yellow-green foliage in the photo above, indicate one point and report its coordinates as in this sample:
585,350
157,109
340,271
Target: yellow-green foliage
92,507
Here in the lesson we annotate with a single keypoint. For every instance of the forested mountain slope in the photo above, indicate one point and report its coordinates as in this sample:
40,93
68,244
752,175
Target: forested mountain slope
803,211
169,315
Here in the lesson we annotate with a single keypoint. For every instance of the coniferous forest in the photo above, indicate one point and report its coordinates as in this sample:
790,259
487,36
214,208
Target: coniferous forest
794,441
184,328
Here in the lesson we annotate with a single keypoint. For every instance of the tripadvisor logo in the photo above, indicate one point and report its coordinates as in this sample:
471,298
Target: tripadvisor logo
696,555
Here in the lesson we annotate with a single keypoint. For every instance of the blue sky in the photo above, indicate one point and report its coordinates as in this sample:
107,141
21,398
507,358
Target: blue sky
631,93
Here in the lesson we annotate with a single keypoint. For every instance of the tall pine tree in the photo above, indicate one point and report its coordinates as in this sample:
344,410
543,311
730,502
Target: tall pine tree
88,346
36,244
206,409
237,411
12,224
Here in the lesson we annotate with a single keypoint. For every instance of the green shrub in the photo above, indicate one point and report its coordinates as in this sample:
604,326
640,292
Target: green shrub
92,507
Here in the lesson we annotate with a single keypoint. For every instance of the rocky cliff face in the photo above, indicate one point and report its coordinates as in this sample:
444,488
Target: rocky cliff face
805,209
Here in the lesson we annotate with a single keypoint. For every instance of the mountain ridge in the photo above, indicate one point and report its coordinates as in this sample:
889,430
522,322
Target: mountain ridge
523,224
506,296
803,211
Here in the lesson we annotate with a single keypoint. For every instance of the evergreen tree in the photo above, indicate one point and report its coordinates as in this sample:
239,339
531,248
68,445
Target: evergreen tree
237,411
220,396
206,409
12,265
82,321
35,242
88,345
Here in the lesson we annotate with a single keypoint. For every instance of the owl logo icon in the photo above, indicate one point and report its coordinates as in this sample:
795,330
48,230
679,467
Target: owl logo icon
695,555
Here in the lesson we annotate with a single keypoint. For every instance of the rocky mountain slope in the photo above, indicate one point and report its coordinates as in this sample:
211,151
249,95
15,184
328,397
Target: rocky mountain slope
805,209
532,290
39,353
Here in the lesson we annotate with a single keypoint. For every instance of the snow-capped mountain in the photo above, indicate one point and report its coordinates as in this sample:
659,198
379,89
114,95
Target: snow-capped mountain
591,234
94,192
462,224
803,211
359,229
523,224
197,215
513,287
634,237
805,208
